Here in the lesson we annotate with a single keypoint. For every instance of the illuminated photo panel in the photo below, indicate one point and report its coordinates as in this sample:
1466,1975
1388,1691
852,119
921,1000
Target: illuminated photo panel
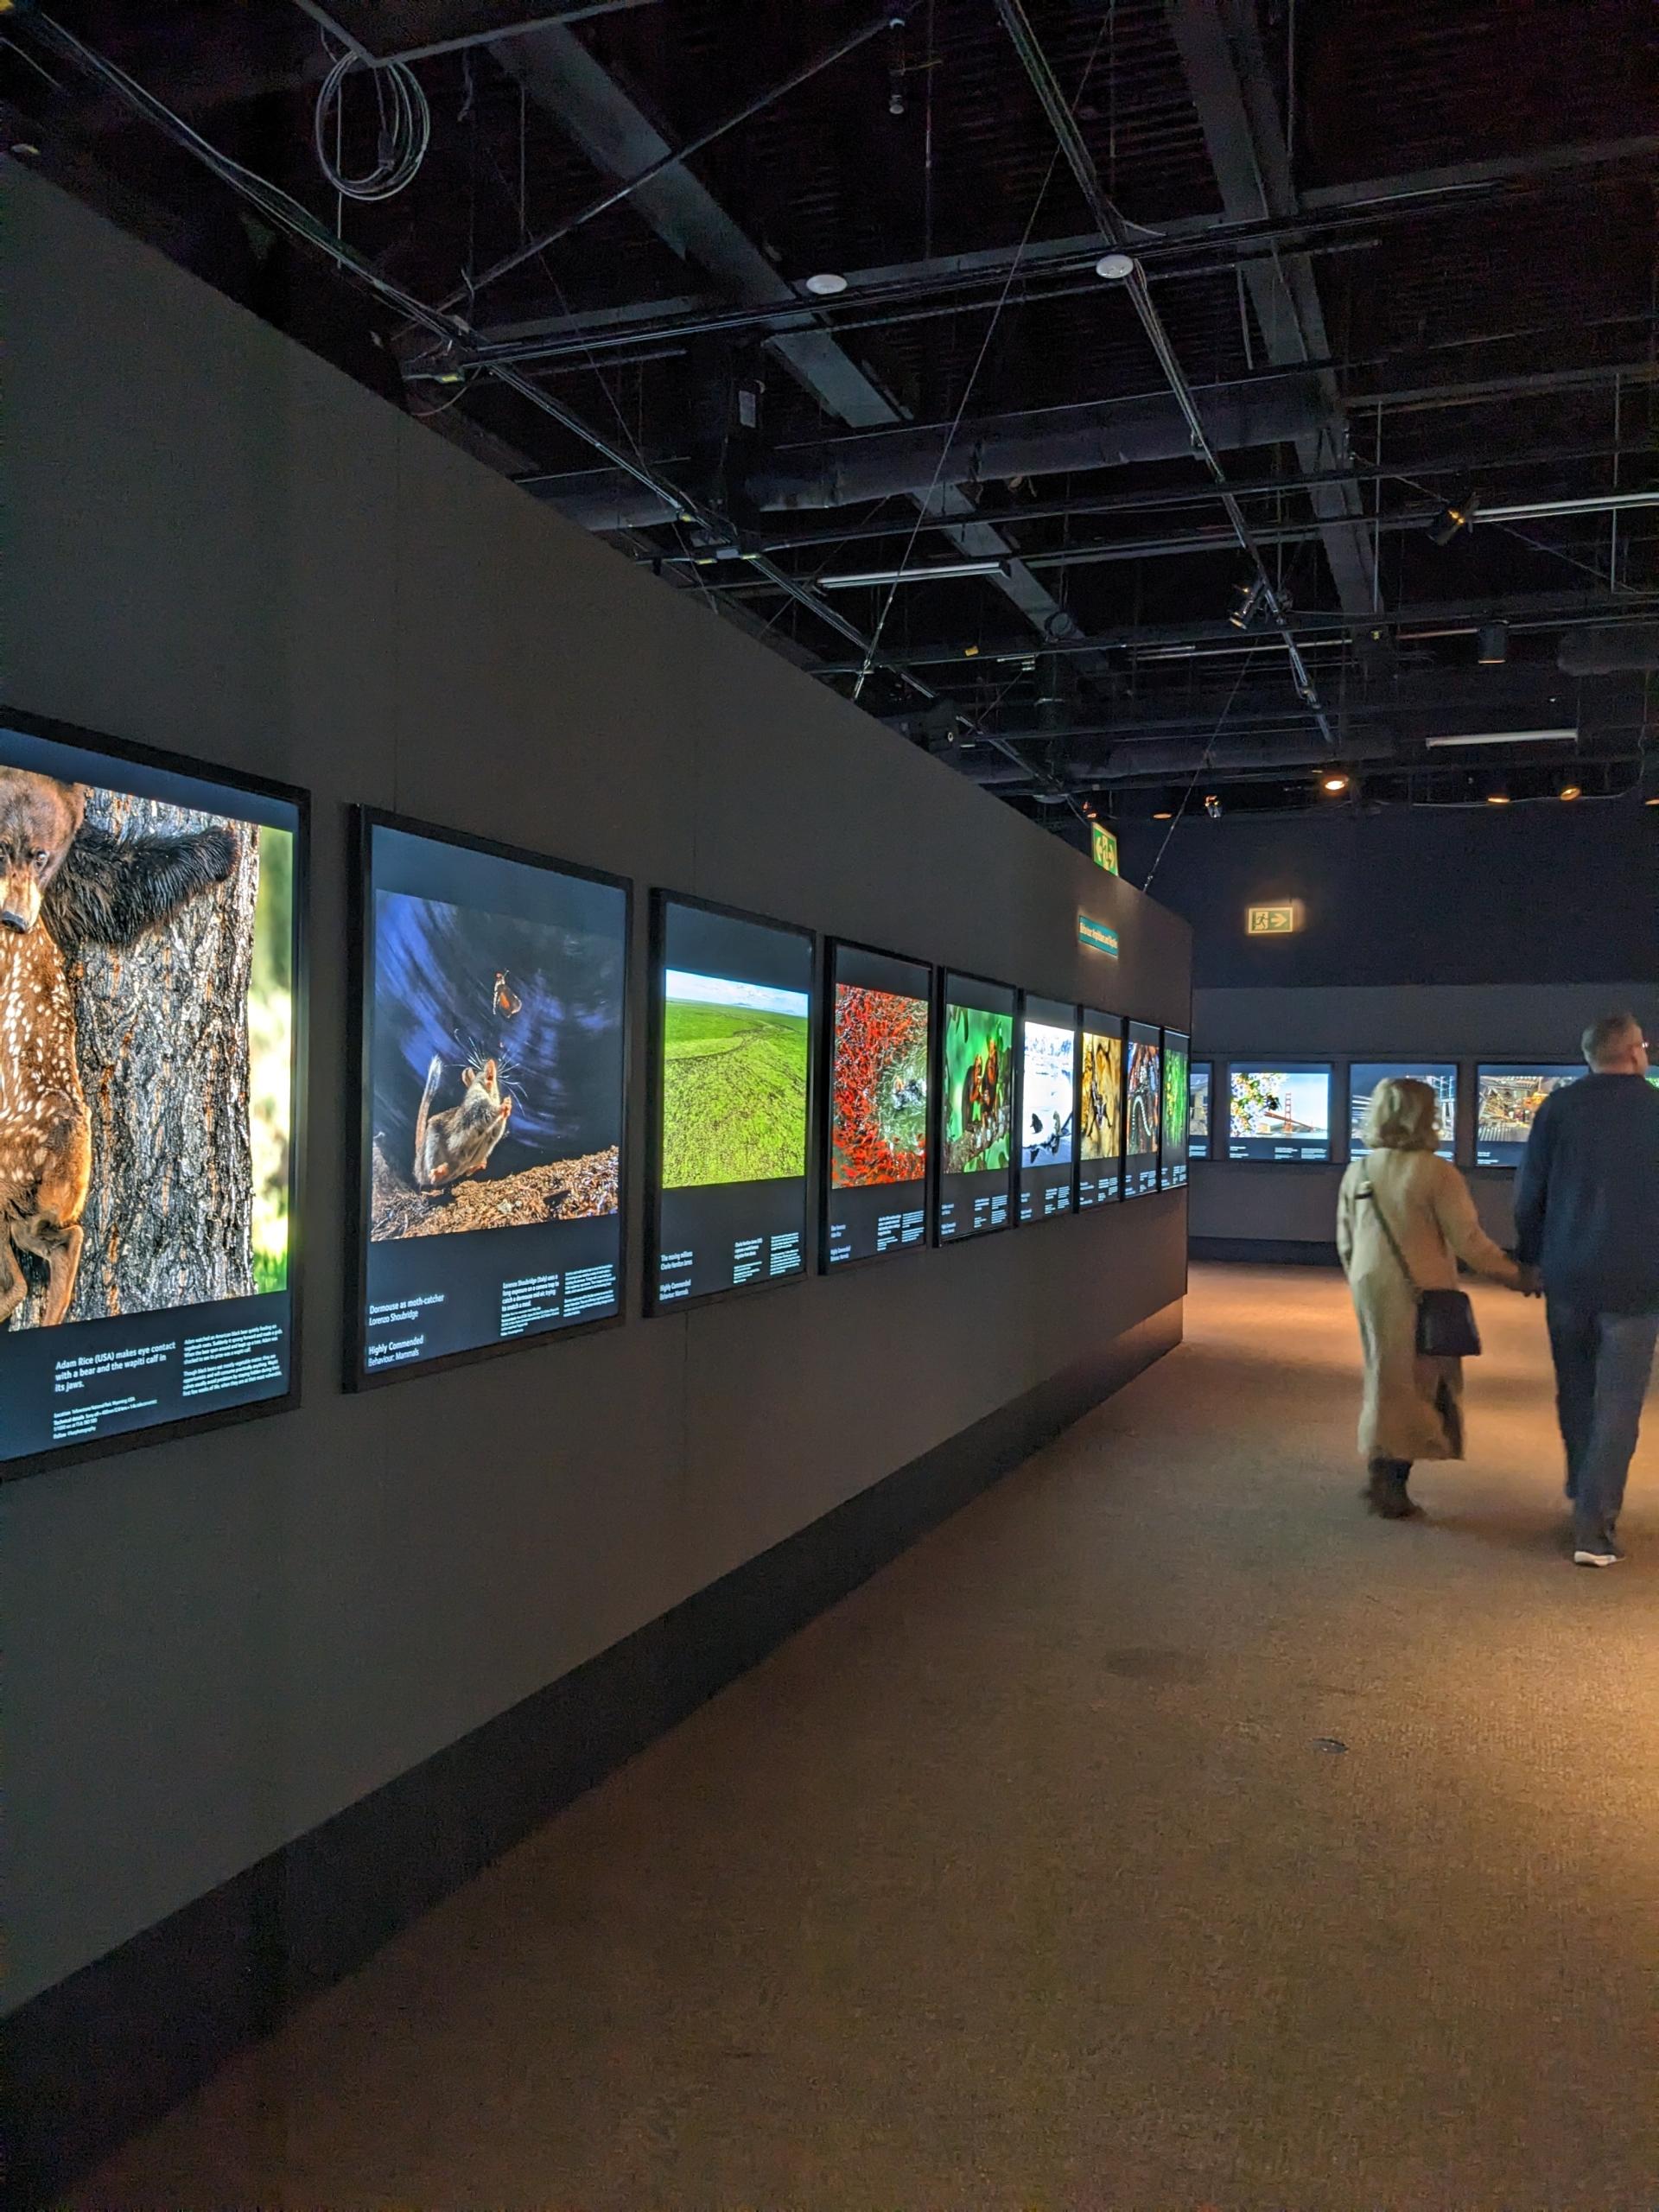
1178,1103
1143,1110
734,1051
494,989
1507,1094
975,1183
1100,1111
1048,1108
1197,1125
1440,1076
150,1020
879,1052
1279,1109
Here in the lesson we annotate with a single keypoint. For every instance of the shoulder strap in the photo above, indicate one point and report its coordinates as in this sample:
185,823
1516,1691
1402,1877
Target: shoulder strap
1366,1192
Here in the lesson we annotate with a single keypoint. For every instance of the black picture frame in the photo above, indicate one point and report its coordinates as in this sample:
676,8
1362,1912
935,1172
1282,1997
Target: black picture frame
1155,1188
1535,1062
1094,1021
830,948
1026,999
1164,1164
936,1107
1209,1067
191,768
1393,1063
652,1304
360,1140
1291,1063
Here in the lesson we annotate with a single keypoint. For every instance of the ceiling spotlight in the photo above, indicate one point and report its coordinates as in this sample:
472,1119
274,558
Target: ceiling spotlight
1572,791
1116,267
1163,814
1492,644
1250,596
1498,795
1212,805
1336,781
825,285
1456,515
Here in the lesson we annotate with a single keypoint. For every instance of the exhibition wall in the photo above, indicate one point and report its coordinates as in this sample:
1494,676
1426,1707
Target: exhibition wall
223,548
1468,935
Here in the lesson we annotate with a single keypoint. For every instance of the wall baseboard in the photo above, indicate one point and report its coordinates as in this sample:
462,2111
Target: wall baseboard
88,2063
1265,1251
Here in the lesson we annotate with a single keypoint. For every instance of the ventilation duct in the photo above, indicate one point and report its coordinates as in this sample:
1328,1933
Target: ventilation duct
891,464
1156,761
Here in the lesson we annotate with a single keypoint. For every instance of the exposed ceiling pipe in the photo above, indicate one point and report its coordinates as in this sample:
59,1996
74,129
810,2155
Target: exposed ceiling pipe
1125,267
1163,760
887,464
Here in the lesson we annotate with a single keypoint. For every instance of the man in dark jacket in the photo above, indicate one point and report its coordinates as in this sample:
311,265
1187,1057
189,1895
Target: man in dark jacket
1586,1208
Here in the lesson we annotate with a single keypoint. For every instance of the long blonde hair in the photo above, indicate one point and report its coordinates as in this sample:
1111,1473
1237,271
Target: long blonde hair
1404,1116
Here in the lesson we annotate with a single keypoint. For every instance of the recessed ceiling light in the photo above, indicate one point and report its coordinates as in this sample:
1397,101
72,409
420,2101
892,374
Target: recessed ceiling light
1572,791
1116,267
826,284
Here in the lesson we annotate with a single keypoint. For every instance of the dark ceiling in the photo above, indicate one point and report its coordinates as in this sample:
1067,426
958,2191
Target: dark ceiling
1385,258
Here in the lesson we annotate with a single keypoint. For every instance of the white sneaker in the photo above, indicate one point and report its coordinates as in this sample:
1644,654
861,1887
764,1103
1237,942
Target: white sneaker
1597,1555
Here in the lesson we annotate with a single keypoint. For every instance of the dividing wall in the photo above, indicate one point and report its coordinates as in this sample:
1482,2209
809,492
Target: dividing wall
221,546
1467,936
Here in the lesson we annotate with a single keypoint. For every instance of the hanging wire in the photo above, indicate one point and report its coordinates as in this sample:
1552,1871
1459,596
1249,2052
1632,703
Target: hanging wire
924,519
404,129
1186,795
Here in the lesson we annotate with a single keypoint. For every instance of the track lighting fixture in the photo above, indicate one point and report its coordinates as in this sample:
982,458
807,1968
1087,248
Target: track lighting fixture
1492,644
1250,596
1212,805
1498,795
1456,515
1572,791
1333,781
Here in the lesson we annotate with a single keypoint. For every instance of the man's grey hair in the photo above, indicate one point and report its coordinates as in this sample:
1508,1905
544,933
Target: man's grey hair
1606,1039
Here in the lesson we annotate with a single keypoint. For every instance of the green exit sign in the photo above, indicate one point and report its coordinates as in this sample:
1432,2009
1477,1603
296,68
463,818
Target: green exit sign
1097,937
1103,845
1279,920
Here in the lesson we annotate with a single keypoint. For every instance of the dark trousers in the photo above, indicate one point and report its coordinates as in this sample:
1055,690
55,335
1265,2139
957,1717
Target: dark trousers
1603,1361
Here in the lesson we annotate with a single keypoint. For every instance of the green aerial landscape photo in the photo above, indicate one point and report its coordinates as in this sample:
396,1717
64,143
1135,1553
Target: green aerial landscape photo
735,1059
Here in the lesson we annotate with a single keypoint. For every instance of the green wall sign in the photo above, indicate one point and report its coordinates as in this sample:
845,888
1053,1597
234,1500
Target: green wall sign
1103,845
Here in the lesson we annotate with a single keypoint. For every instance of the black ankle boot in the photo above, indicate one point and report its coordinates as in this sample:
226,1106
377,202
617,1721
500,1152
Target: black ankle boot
1386,1493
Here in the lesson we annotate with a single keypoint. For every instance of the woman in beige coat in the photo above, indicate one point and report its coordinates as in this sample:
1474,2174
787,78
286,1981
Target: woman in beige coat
1413,1407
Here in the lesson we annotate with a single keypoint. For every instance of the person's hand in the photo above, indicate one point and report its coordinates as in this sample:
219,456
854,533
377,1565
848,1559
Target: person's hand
1531,1284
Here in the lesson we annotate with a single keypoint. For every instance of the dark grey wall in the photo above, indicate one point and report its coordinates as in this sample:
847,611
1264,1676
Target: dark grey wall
1540,893
1474,934
1234,1200
221,546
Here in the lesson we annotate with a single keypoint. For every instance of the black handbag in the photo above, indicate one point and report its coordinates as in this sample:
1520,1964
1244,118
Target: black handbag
1446,1318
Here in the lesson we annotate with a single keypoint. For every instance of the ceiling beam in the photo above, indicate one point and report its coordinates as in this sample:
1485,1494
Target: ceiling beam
1226,71
563,77
1416,194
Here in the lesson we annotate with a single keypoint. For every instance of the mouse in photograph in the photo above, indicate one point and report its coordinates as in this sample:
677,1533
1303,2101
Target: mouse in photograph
459,1142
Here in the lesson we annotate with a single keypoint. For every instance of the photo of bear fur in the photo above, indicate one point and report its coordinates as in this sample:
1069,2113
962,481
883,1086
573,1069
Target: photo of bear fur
145,1065
497,1068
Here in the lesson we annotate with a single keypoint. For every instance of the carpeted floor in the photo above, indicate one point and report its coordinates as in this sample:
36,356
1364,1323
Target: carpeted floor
1162,1832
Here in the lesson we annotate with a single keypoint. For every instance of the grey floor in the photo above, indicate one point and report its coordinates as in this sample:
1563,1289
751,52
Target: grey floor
1162,1832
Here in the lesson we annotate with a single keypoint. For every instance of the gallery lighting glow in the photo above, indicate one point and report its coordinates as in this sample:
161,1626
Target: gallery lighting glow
1505,737
864,579
1572,791
1498,797
1334,782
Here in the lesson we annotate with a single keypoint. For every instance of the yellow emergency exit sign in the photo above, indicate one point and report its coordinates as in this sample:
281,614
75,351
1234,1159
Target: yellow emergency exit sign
1278,920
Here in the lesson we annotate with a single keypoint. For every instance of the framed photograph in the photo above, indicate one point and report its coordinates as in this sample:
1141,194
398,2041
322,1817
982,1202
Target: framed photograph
974,1191
1100,1111
875,1149
732,1058
152,1047
492,1004
1048,1109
